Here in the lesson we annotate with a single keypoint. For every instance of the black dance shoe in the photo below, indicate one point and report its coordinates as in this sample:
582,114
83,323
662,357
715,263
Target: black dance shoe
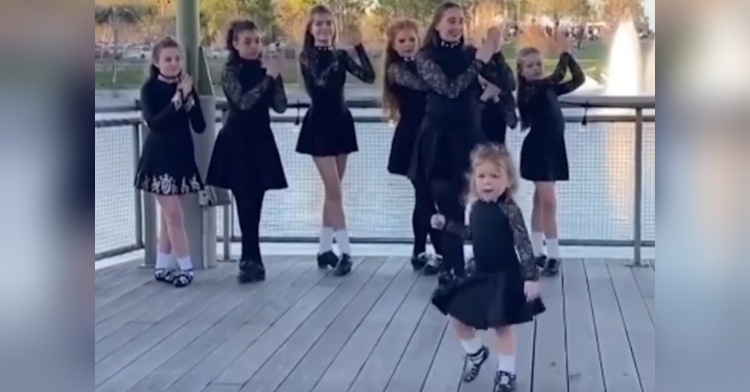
251,271
541,261
344,266
504,382
551,267
445,278
419,261
475,362
327,259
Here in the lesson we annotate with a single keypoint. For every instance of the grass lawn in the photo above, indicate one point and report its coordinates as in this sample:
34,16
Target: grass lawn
132,75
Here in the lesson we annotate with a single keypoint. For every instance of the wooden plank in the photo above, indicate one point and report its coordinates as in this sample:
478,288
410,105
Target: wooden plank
550,361
381,364
195,301
221,388
638,324
332,331
584,366
310,369
244,366
413,366
444,374
618,366
249,332
199,327
525,347
646,279
346,364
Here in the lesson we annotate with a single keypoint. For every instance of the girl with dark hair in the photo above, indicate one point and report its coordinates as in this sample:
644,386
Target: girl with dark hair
451,125
327,131
167,168
544,159
404,96
245,157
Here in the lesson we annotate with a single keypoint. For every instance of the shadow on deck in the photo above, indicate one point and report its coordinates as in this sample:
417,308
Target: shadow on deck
304,331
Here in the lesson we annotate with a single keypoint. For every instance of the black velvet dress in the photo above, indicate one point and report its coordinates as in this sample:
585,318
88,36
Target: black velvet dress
411,93
451,127
328,126
245,156
493,295
543,154
167,164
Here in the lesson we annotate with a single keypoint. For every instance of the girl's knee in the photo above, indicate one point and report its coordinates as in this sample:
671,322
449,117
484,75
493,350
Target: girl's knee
333,193
173,218
504,332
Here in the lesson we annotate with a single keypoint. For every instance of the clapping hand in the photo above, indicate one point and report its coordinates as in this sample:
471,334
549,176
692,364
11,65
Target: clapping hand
272,63
490,45
352,35
437,221
186,85
564,44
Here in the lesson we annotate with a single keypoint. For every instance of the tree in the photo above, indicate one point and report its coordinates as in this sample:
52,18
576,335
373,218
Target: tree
291,18
420,10
481,15
554,9
616,11
217,14
118,16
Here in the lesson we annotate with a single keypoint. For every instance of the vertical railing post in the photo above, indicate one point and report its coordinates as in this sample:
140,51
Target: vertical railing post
227,240
138,202
638,189
150,223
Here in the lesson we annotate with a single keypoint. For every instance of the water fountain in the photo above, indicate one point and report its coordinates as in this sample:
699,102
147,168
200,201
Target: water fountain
624,77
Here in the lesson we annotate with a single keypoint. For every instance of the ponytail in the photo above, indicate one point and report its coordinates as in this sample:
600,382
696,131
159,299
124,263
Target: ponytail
235,29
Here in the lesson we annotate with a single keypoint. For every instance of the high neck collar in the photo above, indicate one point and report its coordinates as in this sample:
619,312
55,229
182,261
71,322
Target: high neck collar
323,48
408,59
168,79
449,45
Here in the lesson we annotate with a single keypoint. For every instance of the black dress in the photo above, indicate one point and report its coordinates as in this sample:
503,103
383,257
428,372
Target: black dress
543,155
493,295
499,114
451,127
410,92
328,126
167,164
245,155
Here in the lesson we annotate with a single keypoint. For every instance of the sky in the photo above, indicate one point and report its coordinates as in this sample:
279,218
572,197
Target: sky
650,6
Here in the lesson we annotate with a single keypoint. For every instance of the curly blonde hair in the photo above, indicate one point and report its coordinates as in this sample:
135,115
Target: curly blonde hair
501,158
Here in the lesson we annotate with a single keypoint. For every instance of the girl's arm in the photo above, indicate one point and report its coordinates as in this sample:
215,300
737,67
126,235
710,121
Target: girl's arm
278,100
364,72
195,113
577,80
230,81
498,72
310,72
436,81
521,239
156,113
561,69
398,74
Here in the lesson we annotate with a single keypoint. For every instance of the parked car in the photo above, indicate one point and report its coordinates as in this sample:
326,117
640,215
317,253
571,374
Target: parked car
137,52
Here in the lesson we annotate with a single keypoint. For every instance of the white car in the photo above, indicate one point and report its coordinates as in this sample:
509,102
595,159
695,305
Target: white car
137,53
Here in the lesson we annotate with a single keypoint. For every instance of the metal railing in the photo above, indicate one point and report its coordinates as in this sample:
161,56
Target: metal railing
610,145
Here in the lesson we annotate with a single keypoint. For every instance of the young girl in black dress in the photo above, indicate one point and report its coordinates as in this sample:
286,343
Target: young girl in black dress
503,289
167,168
451,125
327,131
404,96
544,158
245,157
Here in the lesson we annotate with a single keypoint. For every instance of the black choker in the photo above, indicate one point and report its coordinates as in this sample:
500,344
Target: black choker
450,45
408,59
324,48
169,79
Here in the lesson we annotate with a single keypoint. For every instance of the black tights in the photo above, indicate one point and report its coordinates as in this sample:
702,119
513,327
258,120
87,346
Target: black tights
448,199
249,207
424,208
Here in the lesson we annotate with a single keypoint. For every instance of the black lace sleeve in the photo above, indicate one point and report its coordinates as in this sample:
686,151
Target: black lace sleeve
278,100
230,81
402,76
364,72
577,80
561,69
436,81
197,122
156,111
498,72
312,73
521,239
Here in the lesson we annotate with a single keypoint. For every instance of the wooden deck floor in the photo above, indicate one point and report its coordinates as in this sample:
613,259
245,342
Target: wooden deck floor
304,331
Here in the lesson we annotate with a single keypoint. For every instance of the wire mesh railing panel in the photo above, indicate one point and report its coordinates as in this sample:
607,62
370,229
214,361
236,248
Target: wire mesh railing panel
114,173
596,205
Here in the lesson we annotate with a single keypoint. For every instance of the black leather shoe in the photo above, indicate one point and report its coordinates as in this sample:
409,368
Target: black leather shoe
327,259
344,266
251,271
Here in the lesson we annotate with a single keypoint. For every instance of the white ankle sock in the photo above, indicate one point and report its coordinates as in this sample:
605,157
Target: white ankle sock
342,240
553,248
537,243
326,240
506,363
163,261
472,346
185,263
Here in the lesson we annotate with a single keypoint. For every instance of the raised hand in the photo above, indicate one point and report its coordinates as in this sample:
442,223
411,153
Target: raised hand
186,85
272,64
564,44
352,35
